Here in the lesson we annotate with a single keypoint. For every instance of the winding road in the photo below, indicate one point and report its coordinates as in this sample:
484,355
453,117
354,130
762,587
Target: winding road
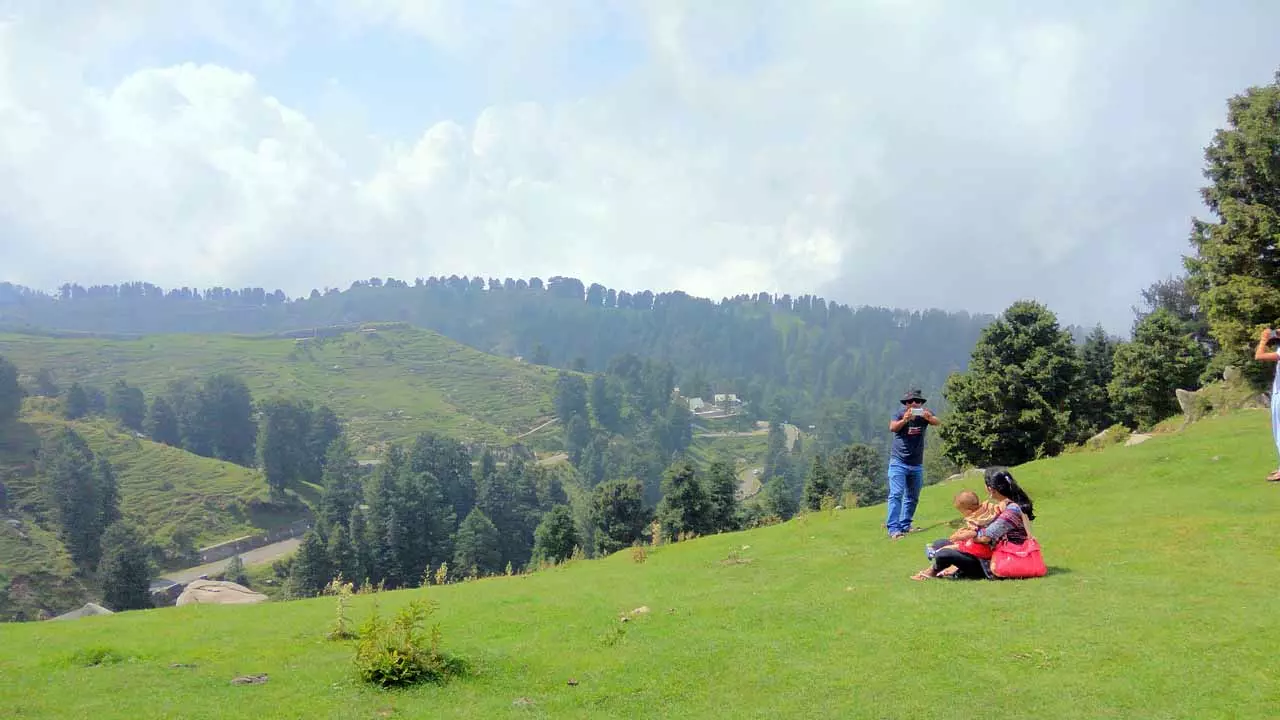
257,556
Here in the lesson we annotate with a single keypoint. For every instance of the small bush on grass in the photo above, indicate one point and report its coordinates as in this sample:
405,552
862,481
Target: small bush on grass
404,651
95,656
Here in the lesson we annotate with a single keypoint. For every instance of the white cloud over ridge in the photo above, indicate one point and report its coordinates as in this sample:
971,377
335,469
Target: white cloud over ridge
898,152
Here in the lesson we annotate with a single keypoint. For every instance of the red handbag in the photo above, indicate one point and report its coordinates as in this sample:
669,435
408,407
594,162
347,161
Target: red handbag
1018,560
976,549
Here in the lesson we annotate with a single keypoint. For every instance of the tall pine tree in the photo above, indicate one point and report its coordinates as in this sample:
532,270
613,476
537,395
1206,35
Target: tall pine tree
126,568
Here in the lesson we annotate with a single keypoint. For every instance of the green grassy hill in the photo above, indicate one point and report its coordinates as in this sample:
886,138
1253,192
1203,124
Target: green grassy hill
168,491
389,384
1161,603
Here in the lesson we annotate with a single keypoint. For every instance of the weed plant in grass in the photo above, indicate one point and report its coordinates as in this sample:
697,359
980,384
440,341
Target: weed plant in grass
1160,603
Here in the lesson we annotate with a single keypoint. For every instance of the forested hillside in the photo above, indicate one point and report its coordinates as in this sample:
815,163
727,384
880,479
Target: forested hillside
802,359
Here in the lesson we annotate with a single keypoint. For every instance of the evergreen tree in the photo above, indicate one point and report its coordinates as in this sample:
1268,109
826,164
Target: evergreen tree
311,569
606,404
282,445
126,405
1092,411
684,507
162,423
570,397
344,560
619,515
449,462
342,490
46,386
359,535
776,455
722,495
426,520
108,493
556,536
1013,404
226,414
126,568
577,438
1148,371
76,404
819,485
72,482
1235,272
778,499
325,429
10,392
477,546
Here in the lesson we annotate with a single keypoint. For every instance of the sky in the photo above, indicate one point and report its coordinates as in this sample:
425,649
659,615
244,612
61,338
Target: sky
905,153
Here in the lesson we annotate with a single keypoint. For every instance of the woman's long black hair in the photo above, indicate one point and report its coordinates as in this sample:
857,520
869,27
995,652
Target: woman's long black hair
999,479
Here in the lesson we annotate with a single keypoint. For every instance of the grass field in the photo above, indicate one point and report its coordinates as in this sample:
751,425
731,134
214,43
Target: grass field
1160,603
389,385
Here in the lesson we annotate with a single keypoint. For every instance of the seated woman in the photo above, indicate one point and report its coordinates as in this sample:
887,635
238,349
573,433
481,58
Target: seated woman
1011,524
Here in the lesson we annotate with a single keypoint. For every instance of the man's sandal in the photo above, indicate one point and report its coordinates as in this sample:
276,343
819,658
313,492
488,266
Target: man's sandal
923,575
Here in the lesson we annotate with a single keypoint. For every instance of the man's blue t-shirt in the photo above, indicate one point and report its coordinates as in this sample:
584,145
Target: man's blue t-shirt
908,442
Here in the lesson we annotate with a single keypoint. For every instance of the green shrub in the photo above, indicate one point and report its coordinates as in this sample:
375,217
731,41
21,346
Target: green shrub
94,656
404,651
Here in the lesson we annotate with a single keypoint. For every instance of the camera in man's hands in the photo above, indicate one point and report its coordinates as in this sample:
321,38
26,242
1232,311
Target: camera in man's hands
917,411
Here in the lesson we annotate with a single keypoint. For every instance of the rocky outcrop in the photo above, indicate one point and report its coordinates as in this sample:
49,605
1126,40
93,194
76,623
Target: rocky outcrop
89,610
216,592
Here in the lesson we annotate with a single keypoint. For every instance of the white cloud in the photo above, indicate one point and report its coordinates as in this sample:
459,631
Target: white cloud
758,146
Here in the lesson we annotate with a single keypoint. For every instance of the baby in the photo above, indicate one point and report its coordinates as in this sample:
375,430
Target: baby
977,515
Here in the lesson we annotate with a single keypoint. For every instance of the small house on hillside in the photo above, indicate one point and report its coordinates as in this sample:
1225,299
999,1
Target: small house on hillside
696,404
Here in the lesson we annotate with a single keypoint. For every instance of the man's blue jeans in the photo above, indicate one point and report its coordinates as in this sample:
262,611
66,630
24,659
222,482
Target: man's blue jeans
905,482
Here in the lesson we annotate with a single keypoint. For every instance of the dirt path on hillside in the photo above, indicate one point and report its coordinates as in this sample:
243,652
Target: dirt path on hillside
552,421
258,556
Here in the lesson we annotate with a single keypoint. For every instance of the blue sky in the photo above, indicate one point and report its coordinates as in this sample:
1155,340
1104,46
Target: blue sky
912,153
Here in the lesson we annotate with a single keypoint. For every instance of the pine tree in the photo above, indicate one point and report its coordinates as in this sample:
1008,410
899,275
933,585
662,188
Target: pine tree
1013,404
162,423
73,485
617,510
127,405
684,507
1092,410
778,499
126,568
76,404
556,536
343,558
818,485
311,569
1235,272
722,494
477,546
108,493
1149,371
342,488
10,392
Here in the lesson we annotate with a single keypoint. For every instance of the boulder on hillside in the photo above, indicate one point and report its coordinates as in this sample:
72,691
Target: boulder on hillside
218,592
88,610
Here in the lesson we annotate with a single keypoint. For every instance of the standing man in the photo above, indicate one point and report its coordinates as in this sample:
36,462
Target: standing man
1266,352
906,462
